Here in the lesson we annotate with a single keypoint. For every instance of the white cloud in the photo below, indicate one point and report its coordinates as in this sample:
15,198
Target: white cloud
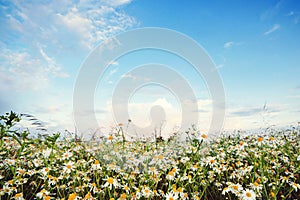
110,74
52,66
274,28
272,11
48,30
252,117
41,40
228,45
295,16
113,71
113,63
291,13
117,2
130,76
21,71
293,96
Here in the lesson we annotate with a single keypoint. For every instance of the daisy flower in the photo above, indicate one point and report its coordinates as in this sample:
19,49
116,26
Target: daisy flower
296,186
42,193
68,167
184,160
46,153
146,192
126,188
96,166
256,186
194,167
211,161
19,196
248,195
236,188
203,137
225,190
153,170
45,170
110,138
123,196
67,155
171,175
110,182
88,196
73,196
171,196
260,140
10,161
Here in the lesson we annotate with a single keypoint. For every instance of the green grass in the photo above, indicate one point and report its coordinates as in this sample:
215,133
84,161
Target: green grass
232,166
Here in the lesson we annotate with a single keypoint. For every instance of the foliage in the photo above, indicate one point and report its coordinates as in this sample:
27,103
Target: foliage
234,166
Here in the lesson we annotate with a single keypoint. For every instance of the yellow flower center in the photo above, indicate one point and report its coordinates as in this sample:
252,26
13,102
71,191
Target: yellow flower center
110,180
272,194
88,195
152,169
248,194
235,187
123,196
18,195
171,173
72,196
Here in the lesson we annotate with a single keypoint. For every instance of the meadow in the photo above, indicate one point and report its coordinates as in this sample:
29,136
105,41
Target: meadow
235,165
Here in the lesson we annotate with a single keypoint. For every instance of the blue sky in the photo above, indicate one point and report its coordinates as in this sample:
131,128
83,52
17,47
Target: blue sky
255,46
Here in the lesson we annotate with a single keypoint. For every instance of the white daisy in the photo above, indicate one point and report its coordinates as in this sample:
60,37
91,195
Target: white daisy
171,196
110,182
248,195
68,167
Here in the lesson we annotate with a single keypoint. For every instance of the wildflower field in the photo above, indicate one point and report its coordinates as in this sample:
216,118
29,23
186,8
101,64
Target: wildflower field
264,165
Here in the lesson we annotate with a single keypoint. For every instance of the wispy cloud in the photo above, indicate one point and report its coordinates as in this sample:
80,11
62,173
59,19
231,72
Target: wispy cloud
116,2
291,13
296,88
130,76
228,45
274,28
294,15
44,31
20,71
272,11
65,23
113,63
293,96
